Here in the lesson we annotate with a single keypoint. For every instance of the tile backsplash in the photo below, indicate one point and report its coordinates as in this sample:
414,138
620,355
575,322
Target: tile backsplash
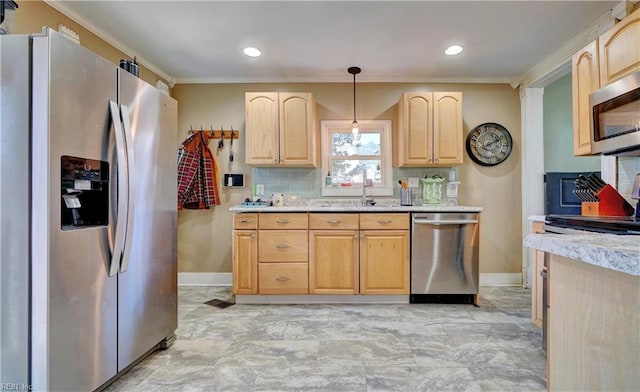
306,182
628,167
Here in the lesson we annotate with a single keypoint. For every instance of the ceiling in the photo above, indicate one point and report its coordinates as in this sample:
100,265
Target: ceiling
316,41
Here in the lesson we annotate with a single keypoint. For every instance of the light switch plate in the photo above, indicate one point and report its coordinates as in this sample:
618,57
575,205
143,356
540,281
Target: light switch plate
413,182
233,180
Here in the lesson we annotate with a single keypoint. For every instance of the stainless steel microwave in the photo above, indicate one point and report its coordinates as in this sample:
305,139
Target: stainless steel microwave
615,117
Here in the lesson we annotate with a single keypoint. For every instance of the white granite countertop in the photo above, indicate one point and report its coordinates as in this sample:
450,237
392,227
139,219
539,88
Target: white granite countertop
616,252
339,208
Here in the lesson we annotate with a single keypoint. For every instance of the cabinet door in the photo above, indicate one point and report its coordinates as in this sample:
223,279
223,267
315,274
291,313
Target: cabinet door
415,129
245,262
261,128
333,262
298,131
384,262
537,262
585,80
536,304
620,49
447,128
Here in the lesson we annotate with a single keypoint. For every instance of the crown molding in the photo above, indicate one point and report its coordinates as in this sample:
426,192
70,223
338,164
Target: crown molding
108,38
558,64
341,79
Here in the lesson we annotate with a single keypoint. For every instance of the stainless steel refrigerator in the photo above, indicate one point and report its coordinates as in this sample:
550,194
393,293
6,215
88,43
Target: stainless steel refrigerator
88,271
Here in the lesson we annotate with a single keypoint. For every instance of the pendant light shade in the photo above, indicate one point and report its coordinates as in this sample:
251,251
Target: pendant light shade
354,126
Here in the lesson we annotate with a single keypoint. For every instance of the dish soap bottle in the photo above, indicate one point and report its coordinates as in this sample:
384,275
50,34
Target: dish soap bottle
328,181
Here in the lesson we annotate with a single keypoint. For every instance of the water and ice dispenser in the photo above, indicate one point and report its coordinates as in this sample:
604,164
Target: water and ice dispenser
84,192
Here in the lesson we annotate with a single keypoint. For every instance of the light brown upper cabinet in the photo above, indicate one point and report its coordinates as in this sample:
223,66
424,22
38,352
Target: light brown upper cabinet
585,80
281,129
429,129
620,49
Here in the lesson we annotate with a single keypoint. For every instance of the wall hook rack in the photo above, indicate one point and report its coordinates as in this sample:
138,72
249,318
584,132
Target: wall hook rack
217,133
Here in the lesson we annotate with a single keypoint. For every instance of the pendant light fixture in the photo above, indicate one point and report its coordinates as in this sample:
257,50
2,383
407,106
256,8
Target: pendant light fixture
354,126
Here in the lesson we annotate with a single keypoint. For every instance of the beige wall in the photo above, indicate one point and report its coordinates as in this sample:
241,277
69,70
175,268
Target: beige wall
204,237
31,16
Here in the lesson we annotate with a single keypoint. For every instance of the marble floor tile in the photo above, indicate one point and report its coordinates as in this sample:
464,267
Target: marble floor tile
335,347
369,352
318,378
400,378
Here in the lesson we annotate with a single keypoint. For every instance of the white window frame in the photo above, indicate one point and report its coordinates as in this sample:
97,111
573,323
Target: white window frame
327,127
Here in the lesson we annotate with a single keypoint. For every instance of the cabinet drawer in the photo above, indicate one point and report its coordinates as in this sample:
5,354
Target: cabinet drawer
384,221
245,221
283,246
283,278
284,221
333,221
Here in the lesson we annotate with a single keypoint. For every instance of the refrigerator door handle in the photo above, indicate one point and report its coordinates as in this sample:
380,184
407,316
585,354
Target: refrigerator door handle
123,191
128,139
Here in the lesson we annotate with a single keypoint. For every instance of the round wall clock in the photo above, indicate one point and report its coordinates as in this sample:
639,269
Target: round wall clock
489,144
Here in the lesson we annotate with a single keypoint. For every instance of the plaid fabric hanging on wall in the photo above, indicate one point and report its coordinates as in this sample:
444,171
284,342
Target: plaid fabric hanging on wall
197,174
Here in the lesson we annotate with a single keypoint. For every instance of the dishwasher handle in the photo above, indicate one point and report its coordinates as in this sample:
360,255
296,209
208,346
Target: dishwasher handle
444,222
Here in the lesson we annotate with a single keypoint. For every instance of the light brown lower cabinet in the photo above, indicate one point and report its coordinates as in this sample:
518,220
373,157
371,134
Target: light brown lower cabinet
283,278
333,261
537,263
283,253
353,261
594,338
245,262
337,254
384,262
245,253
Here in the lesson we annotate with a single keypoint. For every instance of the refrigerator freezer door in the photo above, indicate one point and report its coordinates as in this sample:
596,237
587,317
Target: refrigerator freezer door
74,301
14,209
147,284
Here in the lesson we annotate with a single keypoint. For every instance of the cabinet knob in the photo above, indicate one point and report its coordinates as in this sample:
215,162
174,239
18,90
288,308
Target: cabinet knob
333,221
245,221
253,236
282,279
282,246
283,221
355,236
384,222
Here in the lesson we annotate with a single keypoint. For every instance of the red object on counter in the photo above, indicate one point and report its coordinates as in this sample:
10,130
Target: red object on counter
612,204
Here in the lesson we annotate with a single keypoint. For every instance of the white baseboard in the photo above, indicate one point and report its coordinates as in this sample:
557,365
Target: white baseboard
204,279
225,279
514,279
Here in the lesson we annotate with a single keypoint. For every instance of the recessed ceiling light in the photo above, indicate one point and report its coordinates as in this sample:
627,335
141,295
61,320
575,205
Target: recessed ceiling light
252,52
453,50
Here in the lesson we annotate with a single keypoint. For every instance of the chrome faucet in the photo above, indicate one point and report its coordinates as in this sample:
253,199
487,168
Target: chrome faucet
366,201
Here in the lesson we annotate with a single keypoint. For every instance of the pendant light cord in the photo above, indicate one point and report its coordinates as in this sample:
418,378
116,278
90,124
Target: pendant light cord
354,71
354,96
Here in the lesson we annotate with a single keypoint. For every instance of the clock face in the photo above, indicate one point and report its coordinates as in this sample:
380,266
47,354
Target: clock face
489,144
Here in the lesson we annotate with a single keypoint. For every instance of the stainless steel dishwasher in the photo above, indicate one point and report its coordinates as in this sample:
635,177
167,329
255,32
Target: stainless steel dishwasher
444,257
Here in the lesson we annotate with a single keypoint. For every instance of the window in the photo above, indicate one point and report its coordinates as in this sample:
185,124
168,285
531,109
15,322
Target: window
350,159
